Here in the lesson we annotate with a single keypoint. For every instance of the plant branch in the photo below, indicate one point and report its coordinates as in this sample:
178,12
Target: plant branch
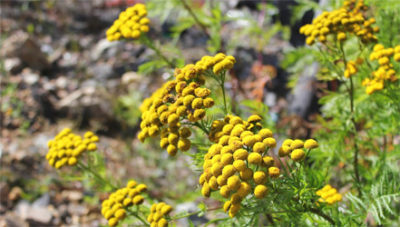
222,85
193,213
353,121
201,127
196,19
151,45
138,217
270,219
96,175
319,213
220,78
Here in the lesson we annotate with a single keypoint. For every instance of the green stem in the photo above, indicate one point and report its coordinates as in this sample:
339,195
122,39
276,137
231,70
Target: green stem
392,95
138,217
223,95
196,19
151,45
222,85
220,78
337,70
305,157
356,150
383,157
185,216
270,219
216,220
319,213
96,175
193,213
284,167
353,121
198,125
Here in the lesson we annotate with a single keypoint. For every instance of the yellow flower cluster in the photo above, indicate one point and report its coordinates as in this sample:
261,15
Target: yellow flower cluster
130,25
385,72
66,147
238,146
180,101
218,63
295,148
351,67
114,208
157,213
349,19
329,195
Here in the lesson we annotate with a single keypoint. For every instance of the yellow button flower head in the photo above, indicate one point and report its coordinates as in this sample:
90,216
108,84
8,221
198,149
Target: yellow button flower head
158,212
329,195
273,172
297,144
233,209
268,161
180,100
114,208
351,67
310,144
295,148
260,191
259,177
270,142
297,155
385,71
254,158
238,147
130,25
67,147
348,20
220,62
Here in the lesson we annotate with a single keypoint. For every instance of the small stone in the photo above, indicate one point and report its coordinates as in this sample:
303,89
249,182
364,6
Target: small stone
102,71
4,190
130,77
29,77
15,193
22,209
76,209
74,196
10,219
42,201
24,47
12,65
39,216
101,46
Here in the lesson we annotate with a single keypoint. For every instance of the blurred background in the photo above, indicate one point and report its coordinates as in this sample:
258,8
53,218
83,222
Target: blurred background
58,70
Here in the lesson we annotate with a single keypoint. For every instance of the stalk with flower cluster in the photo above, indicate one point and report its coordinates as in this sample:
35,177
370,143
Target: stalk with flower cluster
134,24
240,164
334,28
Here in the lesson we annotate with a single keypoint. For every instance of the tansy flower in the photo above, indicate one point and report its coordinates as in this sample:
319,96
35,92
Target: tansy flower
114,208
260,191
238,146
130,25
297,155
295,148
158,212
385,71
273,172
179,101
67,147
329,195
349,19
310,144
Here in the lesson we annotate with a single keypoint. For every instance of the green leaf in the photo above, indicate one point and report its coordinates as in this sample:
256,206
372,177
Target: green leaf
151,66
